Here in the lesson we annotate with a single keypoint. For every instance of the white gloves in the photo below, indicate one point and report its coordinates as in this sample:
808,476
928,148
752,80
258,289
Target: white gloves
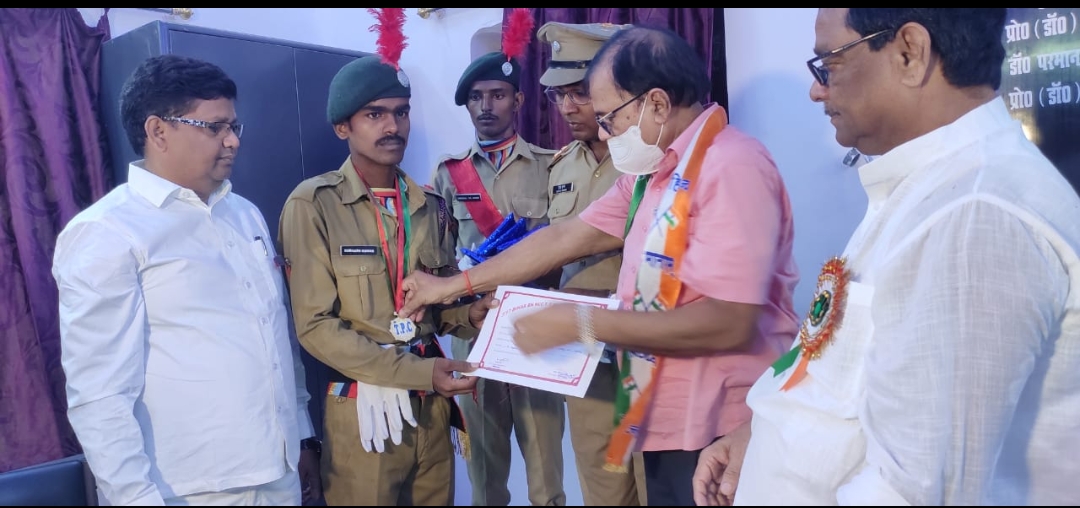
379,410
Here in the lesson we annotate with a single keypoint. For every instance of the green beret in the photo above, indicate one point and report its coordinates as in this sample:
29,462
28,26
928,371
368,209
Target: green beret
362,81
486,68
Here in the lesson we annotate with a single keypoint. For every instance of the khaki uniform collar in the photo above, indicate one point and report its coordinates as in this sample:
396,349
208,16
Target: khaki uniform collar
352,188
521,148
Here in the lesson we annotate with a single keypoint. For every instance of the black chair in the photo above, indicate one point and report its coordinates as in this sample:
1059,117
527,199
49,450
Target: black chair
62,482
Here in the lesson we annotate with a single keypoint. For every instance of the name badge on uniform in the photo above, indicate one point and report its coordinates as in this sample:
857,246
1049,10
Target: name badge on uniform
562,187
468,197
359,250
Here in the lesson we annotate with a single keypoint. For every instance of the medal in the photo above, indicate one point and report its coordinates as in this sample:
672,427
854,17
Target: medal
822,321
403,329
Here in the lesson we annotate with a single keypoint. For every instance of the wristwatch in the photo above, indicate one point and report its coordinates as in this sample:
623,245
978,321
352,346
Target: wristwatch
311,443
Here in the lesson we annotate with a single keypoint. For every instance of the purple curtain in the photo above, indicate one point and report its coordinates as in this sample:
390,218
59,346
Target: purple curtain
52,164
540,122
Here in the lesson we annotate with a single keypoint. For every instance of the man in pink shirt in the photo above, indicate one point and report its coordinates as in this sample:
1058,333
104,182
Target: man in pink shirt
705,225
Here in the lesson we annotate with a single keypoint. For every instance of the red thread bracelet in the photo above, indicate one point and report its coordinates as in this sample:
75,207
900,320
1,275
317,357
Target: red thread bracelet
468,283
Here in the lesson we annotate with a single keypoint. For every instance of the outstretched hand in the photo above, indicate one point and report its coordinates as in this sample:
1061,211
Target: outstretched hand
478,310
447,383
718,468
422,289
546,328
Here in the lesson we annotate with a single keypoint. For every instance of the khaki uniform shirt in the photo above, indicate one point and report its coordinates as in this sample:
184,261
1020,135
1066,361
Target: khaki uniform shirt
520,186
341,301
577,179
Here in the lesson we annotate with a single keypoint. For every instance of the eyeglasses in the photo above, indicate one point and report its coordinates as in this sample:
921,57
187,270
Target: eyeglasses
215,128
556,96
820,72
605,121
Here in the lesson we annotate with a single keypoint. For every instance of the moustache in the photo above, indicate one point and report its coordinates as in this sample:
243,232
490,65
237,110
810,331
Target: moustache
391,139
487,117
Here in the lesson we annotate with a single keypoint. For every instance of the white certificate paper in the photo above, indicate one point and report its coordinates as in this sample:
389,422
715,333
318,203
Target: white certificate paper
566,369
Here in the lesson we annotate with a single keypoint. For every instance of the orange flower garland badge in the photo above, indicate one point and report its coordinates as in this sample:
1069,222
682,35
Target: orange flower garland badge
822,320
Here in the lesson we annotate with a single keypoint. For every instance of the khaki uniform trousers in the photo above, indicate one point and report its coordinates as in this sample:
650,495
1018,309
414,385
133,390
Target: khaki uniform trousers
592,421
418,472
536,417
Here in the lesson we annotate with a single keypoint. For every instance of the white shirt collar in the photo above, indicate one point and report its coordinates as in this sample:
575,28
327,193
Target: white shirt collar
158,190
881,176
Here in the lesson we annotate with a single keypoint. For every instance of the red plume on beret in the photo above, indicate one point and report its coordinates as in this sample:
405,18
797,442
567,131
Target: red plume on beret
388,23
517,33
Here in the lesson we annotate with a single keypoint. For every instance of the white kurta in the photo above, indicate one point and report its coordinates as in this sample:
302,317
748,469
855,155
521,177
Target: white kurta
181,373
954,377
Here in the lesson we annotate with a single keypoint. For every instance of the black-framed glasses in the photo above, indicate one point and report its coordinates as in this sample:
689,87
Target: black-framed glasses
215,128
605,121
820,72
557,96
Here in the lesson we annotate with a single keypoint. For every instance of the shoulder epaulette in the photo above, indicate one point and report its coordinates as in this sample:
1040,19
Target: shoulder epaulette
560,154
307,188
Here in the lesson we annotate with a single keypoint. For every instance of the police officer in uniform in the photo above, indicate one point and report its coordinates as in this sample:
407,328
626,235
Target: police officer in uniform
502,174
349,236
580,173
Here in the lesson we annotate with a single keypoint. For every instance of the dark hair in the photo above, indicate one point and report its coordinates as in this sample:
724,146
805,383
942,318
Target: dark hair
168,85
967,40
643,57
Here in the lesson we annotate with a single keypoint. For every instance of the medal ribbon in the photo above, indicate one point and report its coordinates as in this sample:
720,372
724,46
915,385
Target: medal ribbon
404,231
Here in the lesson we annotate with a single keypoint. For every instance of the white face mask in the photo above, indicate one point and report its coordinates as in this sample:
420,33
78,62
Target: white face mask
632,155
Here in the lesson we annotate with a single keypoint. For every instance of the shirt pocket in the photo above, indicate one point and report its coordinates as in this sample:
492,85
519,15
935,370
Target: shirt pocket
267,271
562,204
363,288
432,259
461,211
530,207
837,375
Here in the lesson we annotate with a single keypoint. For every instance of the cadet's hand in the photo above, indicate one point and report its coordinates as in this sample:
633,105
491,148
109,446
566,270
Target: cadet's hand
444,382
478,310
718,468
423,289
546,328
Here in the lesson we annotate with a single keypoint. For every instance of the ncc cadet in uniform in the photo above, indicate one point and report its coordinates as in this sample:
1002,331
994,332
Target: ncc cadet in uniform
350,236
502,174
580,173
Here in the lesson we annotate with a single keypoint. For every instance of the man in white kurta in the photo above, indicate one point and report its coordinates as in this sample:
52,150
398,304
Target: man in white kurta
953,376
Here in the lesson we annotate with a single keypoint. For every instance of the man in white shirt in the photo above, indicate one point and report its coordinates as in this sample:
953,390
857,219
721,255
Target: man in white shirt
183,384
939,362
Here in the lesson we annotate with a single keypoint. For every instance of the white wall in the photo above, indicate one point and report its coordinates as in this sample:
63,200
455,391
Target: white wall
768,87
769,98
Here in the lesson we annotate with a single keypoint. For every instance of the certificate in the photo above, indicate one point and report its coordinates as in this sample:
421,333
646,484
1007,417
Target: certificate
566,369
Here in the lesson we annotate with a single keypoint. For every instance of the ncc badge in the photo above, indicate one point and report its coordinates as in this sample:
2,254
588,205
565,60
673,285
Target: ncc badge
822,320
403,329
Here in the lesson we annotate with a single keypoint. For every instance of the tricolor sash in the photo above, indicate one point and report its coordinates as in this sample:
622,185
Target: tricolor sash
657,289
467,182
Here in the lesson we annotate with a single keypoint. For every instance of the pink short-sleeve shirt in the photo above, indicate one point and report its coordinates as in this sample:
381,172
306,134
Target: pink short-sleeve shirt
741,235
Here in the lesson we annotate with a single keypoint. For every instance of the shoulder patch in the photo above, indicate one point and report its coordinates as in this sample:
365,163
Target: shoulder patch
447,223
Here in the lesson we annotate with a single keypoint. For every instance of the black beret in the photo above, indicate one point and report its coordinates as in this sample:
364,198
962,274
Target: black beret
486,68
361,81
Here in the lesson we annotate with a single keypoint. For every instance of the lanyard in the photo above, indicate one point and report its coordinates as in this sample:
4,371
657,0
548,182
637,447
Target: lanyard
404,231
640,184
